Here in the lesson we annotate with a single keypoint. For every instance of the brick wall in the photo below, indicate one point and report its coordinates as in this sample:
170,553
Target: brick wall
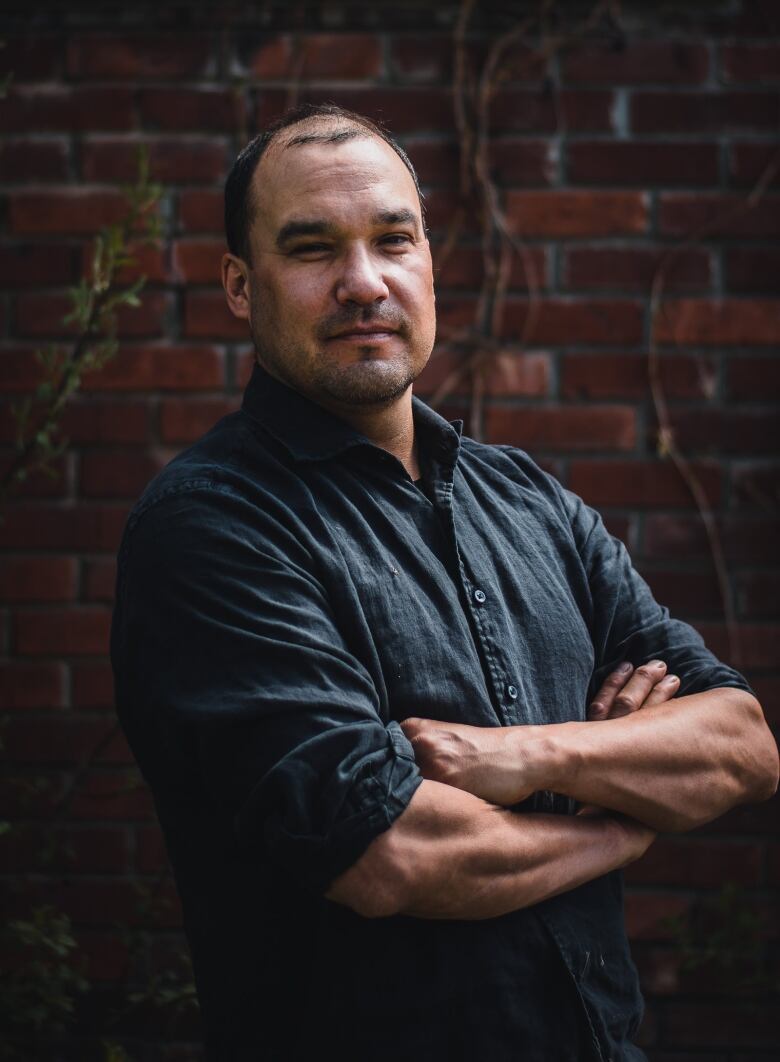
613,153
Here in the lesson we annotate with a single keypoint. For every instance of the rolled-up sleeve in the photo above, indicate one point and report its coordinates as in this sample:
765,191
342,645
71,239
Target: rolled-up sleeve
235,684
626,621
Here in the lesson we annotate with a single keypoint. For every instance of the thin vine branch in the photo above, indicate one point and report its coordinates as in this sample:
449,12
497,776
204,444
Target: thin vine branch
95,301
667,444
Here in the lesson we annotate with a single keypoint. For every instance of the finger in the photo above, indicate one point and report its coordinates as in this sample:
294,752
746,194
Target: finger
663,691
600,706
637,689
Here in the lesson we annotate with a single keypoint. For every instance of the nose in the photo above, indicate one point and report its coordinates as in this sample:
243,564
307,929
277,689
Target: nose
361,280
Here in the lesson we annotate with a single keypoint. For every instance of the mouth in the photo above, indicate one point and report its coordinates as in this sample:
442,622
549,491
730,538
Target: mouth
362,334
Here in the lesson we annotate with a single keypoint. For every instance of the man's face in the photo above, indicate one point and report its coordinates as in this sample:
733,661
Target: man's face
341,284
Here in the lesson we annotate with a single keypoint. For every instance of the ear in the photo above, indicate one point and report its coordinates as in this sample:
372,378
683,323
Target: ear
235,281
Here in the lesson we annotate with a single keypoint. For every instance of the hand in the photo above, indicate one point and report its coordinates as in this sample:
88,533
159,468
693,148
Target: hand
627,690
488,761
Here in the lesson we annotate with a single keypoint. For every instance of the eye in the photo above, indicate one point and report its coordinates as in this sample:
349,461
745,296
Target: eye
303,250
396,239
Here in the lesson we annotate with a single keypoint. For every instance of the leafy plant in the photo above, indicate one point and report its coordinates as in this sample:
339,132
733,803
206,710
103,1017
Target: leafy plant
39,990
95,302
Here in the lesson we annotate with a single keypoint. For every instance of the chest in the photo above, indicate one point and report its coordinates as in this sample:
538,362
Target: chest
470,607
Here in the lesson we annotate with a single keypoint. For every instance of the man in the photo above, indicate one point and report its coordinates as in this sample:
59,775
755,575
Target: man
353,654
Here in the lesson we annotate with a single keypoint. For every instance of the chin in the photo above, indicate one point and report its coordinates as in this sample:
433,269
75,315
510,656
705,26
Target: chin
369,382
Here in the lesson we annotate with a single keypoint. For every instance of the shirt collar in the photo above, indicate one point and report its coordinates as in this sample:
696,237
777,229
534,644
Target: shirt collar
311,433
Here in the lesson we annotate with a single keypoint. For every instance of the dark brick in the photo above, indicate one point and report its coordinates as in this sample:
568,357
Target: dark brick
606,162
704,112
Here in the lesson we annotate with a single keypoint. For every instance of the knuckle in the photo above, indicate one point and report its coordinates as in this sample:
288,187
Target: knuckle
624,703
646,672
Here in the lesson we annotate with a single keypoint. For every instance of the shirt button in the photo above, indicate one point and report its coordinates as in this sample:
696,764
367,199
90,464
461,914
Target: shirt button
479,596
512,691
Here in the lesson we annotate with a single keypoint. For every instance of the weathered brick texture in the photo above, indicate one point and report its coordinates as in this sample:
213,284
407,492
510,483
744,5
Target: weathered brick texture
654,147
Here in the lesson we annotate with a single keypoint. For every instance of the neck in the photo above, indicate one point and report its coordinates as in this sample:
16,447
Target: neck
391,427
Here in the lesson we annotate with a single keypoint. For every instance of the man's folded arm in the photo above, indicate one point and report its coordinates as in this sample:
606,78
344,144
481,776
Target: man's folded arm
451,855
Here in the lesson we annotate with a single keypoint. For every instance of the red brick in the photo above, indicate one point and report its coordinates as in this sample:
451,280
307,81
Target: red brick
513,162
25,578
91,421
463,268
750,161
183,421
523,111
26,685
759,643
95,902
105,954
31,56
754,378
341,56
638,62
508,373
626,376
640,484
730,1023
704,112
198,261
744,539
149,261
92,682
90,850
568,322
138,56
33,160
641,163
201,211
192,109
721,215
753,270
767,690
719,322
159,368
402,110
746,820
443,206
20,370
73,631
182,160
756,486
564,428
206,316
57,108
57,740
88,527
576,213
150,854
66,212
35,265
55,480
758,594
112,794
42,316
648,914
748,63
116,475
634,268
427,58
697,862
686,593
99,579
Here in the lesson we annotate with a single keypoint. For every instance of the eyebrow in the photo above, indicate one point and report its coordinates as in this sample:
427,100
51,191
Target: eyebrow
319,226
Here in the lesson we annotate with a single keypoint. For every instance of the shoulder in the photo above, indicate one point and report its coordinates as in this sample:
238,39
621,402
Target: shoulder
234,479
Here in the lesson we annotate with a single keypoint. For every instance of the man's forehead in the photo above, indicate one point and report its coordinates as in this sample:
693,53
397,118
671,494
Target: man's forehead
345,153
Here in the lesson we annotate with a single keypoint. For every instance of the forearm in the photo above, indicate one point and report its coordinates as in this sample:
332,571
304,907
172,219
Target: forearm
674,766
452,855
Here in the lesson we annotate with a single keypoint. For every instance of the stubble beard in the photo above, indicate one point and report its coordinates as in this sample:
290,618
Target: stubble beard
371,380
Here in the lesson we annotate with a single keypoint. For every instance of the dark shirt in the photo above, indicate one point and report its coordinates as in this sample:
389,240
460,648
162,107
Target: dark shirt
286,595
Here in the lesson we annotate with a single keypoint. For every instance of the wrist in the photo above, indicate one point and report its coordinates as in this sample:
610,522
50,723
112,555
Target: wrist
548,758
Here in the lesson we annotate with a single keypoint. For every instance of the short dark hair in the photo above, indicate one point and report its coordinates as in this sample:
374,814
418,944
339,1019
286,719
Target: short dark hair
239,205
